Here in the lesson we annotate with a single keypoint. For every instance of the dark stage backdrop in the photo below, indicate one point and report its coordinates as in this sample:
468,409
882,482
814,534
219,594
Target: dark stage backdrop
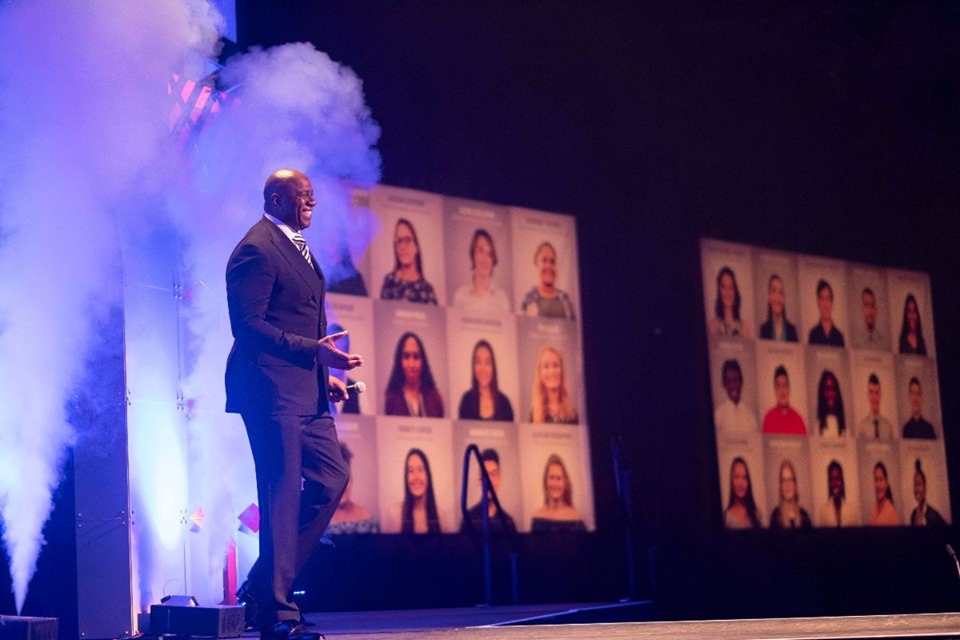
825,129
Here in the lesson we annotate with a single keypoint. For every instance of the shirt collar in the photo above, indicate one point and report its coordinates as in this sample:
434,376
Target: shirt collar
283,226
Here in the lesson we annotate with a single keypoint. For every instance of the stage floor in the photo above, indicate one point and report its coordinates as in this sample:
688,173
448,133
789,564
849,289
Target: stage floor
521,623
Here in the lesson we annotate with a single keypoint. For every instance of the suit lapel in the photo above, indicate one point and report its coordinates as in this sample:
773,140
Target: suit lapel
312,276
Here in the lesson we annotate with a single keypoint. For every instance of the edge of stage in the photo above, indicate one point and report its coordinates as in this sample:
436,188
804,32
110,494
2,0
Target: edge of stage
618,620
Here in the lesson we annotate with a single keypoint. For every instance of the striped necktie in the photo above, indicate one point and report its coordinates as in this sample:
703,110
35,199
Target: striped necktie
302,246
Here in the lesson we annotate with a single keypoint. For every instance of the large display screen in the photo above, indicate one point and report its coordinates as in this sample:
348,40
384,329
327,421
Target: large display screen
825,393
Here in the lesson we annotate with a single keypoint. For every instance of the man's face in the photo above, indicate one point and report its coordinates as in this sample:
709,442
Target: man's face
294,202
869,302
873,396
733,384
781,387
919,488
825,303
916,398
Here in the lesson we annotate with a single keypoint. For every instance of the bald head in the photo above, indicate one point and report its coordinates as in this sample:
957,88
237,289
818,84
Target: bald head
288,196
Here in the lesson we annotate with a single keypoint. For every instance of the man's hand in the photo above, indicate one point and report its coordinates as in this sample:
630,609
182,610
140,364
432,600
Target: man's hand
329,355
337,389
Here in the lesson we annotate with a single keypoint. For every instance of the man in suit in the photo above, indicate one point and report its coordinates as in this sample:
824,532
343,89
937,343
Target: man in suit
277,380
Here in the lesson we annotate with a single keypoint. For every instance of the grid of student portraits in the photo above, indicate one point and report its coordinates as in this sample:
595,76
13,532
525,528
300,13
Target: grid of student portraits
825,391
467,316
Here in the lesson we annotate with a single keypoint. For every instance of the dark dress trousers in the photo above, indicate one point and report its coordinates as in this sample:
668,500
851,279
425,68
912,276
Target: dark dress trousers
273,381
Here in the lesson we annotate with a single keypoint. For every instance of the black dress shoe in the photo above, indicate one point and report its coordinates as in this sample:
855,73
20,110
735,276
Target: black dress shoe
251,610
290,630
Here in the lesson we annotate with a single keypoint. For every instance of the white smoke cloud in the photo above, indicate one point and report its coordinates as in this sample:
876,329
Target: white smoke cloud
87,155
83,128
290,106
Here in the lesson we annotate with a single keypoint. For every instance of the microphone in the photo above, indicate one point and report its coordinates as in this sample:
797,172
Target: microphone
359,387
953,555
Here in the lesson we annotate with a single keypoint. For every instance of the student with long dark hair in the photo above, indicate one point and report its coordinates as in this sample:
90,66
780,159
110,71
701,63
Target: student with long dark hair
884,514
419,511
411,390
741,511
777,327
726,320
484,401
830,414
911,331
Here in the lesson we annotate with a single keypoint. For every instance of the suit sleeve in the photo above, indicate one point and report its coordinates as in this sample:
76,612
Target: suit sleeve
250,280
